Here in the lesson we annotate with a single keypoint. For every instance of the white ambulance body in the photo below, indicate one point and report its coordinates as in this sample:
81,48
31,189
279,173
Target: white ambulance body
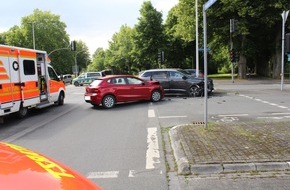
27,80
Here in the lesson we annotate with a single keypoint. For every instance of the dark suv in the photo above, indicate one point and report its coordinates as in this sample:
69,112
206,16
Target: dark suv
177,81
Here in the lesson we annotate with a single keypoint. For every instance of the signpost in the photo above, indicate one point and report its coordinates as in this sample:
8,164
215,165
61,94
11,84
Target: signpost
205,7
284,18
208,4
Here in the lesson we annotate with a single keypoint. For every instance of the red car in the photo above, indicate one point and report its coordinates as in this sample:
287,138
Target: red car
122,88
23,169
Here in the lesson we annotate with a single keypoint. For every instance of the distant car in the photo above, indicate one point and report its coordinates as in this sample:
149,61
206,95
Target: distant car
67,78
193,72
110,90
21,168
177,81
87,78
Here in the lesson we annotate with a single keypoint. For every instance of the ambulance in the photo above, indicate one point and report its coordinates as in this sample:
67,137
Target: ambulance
27,80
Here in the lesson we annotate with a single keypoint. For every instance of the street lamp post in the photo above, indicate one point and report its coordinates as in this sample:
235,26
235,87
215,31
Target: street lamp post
33,35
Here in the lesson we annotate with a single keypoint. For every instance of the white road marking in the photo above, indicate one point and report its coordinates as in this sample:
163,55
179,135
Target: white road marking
103,175
152,153
151,113
283,107
273,104
280,113
167,117
234,115
265,102
132,173
270,118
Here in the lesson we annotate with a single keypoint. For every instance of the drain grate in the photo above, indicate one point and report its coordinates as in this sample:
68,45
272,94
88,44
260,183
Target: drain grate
198,123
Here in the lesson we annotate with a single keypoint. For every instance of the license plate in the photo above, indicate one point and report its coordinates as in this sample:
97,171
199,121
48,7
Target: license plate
87,98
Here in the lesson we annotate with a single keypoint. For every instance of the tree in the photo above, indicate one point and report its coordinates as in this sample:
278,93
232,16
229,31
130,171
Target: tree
257,37
175,44
120,51
49,35
98,62
149,37
82,55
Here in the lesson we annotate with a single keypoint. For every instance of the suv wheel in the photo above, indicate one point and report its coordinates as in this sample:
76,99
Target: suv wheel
194,91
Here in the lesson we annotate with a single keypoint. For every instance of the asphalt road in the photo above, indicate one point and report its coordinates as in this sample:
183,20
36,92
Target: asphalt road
121,148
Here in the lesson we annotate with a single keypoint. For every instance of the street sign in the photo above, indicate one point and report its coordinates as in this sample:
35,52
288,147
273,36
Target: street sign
208,4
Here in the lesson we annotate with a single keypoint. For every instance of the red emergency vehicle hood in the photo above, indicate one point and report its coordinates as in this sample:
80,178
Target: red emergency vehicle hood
23,169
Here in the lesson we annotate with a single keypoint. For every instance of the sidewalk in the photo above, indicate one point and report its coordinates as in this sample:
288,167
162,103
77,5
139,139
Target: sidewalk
235,147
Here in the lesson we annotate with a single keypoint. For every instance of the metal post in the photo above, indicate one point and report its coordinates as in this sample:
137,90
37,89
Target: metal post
232,23
196,38
33,37
284,18
76,64
205,65
205,7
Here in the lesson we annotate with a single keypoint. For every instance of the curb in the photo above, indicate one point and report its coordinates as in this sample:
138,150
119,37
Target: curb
184,168
180,157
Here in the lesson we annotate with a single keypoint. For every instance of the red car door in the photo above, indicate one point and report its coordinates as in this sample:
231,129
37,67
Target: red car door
121,89
139,89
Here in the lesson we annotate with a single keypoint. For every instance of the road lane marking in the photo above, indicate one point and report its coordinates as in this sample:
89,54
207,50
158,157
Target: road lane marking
265,102
234,115
280,113
152,153
173,116
283,107
132,173
151,113
103,175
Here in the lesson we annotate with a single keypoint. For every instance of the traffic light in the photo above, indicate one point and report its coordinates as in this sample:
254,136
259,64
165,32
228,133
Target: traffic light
161,57
233,55
237,56
73,45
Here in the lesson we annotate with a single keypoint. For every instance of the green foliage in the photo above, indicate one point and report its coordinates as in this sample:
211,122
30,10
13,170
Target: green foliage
82,55
149,37
50,35
98,63
257,38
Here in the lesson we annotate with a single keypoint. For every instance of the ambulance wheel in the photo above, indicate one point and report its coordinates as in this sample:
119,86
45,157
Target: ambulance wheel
60,100
22,111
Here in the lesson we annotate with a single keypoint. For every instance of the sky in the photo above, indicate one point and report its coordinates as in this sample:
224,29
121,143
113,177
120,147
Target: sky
92,21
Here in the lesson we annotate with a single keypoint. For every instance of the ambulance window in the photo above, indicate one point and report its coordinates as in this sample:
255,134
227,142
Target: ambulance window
29,67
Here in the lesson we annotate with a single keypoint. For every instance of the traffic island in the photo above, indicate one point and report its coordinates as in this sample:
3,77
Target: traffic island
231,147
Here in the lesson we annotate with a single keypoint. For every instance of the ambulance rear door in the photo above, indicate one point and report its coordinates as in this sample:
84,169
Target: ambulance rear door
6,83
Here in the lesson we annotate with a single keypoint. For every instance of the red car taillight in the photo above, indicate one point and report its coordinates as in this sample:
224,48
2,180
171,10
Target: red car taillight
92,90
